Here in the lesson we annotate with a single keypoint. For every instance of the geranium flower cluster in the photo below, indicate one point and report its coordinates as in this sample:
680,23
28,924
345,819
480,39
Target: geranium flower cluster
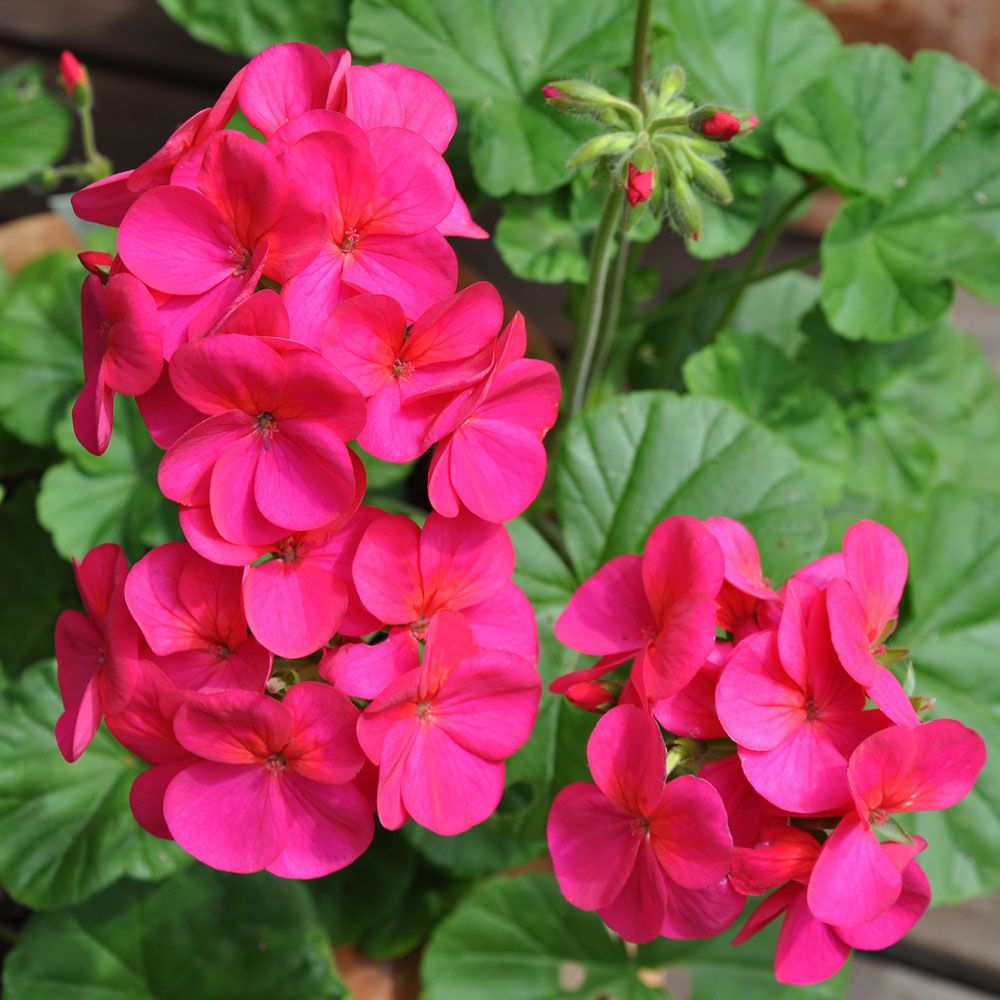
304,660
808,752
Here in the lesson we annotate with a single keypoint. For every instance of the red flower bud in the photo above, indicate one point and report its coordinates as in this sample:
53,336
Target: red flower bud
552,93
640,185
722,126
97,262
73,75
591,695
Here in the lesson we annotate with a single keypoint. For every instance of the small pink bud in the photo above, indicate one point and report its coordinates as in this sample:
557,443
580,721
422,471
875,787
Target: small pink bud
696,237
722,126
640,185
752,122
97,262
552,93
73,76
590,695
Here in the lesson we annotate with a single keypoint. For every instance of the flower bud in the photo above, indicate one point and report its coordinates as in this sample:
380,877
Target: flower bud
74,79
639,186
714,123
551,93
97,262
593,696
671,83
609,144
711,180
583,98
685,211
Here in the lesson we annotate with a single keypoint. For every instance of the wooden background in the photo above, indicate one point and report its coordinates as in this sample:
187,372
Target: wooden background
149,76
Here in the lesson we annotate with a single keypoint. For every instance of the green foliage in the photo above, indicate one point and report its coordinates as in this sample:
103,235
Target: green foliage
66,830
251,25
522,933
201,934
34,125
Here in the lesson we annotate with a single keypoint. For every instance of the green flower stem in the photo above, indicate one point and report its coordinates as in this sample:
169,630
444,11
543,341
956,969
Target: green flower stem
585,348
612,312
640,43
97,166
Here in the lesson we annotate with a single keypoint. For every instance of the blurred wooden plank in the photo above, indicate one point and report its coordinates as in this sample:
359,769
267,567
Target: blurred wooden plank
888,981
33,236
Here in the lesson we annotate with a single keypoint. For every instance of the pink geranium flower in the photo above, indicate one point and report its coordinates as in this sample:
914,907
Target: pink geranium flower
864,605
650,857
272,787
188,242
407,576
446,350
490,459
382,194
898,770
122,352
794,712
661,604
810,950
95,650
190,614
441,732
272,450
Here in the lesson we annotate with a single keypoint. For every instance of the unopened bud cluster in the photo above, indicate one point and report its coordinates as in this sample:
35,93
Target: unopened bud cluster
661,150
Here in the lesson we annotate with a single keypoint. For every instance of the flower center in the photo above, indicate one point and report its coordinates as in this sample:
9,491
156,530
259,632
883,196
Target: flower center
419,629
350,240
640,826
266,426
400,368
878,817
276,763
424,709
287,549
242,256
812,712
221,651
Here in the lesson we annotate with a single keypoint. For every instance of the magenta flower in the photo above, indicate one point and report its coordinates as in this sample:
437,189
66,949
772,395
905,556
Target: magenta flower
650,857
794,712
446,350
190,613
898,770
863,610
188,242
661,604
382,195
122,352
272,788
441,732
95,650
407,576
810,950
490,459
272,450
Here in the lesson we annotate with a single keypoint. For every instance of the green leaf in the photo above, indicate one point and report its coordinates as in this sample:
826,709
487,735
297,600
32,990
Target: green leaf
755,376
521,932
112,497
954,632
251,25
753,55
40,346
555,754
34,125
540,241
66,830
36,589
774,309
492,57
201,934
873,116
625,466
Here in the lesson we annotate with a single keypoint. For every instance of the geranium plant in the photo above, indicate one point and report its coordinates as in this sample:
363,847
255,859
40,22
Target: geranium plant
700,622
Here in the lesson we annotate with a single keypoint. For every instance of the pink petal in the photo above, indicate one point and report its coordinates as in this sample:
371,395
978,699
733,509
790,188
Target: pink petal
145,797
387,570
185,472
233,727
768,911
396,748
627,759
393,433
681,559
282,82
145,725
888,694
247,668
700,913
459,222
743,805
323,745
228,816
203,536
440,490
165,414
105,201
898,920
609,612
849,632
134,355
364,671
313,294
364,337
585,829
854,880
685,640
505,621
784,853
637,911
742,558
261,314
94,415
80,720
691,712
328,827
876,566
809,950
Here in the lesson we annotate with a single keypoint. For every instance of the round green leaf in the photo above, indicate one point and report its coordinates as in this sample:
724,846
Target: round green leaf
200,935
66,830
626,465
34,125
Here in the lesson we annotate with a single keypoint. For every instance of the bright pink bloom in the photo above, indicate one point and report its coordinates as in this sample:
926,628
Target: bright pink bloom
809,950
864,606
188,242
382,194
898,770
190,613
661,603
650,857
273,786
95,650
441,732
794,712
446,350
722,126
640,185
72,75
272,450
122,352
407,576
745,586
490,459
287,80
